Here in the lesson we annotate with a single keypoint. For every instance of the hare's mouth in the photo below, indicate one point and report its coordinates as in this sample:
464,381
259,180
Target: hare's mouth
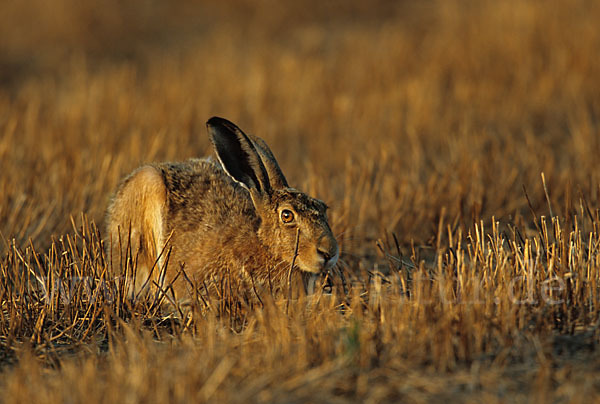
319,263
314,269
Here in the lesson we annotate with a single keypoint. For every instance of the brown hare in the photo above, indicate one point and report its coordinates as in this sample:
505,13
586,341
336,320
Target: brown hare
236,217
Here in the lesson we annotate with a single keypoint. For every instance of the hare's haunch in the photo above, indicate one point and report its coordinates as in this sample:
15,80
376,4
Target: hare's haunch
234,216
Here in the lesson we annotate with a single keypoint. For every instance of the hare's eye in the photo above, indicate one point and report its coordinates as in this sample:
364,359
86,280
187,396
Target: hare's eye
287,216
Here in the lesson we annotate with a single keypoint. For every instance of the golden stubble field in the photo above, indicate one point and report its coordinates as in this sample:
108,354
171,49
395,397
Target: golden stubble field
426,126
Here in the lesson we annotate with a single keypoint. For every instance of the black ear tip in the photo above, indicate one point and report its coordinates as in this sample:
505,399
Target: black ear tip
218,121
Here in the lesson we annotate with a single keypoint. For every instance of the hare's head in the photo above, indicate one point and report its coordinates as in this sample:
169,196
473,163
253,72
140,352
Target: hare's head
288,217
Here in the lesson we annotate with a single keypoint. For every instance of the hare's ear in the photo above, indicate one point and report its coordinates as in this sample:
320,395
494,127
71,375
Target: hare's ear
276,177
238,155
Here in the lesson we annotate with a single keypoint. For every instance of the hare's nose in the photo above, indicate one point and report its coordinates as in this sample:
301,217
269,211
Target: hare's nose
325,254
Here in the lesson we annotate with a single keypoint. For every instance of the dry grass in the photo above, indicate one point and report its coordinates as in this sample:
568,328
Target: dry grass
425,126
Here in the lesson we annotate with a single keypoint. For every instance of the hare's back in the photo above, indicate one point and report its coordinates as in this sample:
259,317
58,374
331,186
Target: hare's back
202,197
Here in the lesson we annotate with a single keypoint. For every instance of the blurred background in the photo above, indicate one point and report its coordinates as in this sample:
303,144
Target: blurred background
399,114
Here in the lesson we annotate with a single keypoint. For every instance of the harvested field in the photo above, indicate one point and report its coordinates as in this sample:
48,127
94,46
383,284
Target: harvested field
456,143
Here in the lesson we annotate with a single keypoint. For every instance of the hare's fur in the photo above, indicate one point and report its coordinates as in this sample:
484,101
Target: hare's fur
218,217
